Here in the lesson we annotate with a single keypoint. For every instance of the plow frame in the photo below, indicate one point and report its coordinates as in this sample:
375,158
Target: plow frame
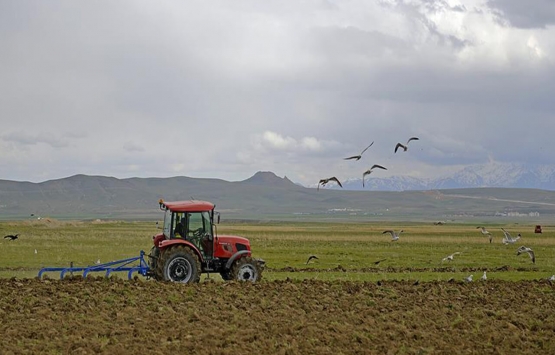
109,267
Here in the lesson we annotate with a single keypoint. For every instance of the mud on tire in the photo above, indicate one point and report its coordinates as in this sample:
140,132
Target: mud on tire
178,264
153,258
245,269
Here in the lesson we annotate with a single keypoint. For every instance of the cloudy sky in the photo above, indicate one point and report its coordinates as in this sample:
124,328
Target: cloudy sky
223,89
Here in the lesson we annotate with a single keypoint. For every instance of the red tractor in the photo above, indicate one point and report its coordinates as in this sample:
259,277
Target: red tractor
189,245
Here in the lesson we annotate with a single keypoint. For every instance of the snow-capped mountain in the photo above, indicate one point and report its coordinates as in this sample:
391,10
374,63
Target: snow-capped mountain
485,175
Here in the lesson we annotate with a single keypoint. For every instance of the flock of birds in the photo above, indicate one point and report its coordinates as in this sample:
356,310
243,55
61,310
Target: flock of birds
507,239
357,157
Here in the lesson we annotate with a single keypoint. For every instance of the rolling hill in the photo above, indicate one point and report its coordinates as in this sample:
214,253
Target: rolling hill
264,196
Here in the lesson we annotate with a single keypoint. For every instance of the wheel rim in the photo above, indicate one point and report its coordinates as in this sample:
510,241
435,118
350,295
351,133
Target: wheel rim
247,273
180,270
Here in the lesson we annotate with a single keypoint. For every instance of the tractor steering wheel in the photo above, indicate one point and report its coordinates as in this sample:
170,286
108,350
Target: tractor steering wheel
197,233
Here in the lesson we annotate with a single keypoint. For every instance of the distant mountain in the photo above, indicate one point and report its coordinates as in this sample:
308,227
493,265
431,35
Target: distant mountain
269,178
265,196
485,175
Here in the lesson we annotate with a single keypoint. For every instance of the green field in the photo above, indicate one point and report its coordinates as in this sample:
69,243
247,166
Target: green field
346,251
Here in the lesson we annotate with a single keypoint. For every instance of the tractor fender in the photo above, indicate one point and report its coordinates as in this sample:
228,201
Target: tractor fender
236,256
164,244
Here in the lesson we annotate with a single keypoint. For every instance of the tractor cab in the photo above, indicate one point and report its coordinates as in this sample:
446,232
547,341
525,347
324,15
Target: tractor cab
191,221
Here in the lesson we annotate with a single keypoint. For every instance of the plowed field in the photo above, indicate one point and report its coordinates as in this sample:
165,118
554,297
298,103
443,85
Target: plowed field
112,316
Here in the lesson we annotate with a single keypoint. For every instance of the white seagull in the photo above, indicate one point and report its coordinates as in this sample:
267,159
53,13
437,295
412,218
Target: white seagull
530,252
369,171
357,157
485,232
450,257
552,278
508,239
484,277
468,278
394,236
405,146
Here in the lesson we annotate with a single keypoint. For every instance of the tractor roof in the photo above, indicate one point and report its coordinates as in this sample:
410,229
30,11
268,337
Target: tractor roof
189,206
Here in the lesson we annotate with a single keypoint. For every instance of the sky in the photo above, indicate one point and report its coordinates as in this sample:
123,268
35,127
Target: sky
223,89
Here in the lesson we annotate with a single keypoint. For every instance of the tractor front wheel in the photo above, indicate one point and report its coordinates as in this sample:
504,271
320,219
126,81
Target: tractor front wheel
245,269
179,264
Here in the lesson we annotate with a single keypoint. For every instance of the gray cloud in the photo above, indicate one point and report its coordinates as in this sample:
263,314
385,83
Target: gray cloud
525,14
22,138
224,89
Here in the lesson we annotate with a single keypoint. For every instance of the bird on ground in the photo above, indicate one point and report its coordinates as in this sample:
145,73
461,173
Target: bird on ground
484,277
406,145
394,236
357,157
530,252
379,261
35,251
508,239
12,236
310,258
468,278
369,171
98,262
450,257
323,182
552,278
439,223
485,232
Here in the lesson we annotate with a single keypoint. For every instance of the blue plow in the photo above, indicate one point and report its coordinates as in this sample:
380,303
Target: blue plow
130,265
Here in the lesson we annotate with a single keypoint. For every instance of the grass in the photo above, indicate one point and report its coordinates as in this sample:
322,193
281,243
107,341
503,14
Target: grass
350,246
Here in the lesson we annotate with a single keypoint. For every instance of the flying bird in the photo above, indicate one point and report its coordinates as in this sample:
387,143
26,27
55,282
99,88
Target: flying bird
530,252
394,236
310,258
323,182
11,236
485,232
369,171
484,277
508,239
450,257
406,145
357,157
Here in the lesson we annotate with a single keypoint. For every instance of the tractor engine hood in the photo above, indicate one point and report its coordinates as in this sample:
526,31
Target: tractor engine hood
232,239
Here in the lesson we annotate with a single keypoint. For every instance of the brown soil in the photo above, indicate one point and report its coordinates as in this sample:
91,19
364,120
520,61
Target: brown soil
113,316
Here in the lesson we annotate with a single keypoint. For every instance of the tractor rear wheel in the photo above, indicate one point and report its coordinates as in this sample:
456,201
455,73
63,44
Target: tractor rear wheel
245,269
179,264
